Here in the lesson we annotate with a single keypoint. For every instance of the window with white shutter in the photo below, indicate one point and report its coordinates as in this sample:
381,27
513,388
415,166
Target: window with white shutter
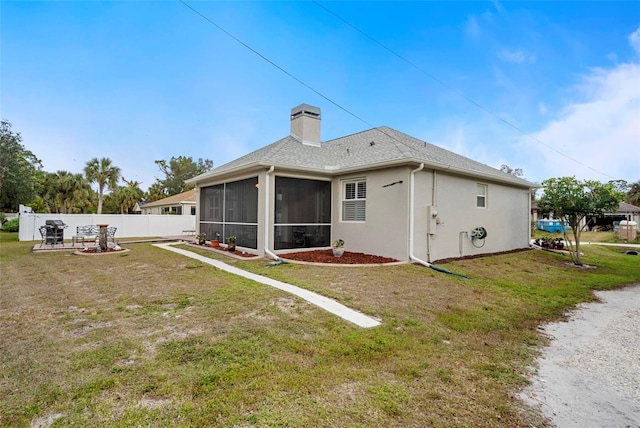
354,200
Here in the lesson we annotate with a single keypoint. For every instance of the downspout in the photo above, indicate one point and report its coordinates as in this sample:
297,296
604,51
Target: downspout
267,217
434,202
412,257
530,218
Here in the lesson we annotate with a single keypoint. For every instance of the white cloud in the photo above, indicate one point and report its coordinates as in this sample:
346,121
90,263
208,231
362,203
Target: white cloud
634,40
598,137
517,56
498,6
542,108
472,28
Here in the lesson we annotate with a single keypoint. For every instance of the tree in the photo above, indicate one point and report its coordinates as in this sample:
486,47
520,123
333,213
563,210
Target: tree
127,197
104,174
124,198
633,195
572,201
62,192
155,192
18,169
179,169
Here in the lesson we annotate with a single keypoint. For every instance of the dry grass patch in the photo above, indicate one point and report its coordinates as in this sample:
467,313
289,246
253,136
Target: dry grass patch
155,338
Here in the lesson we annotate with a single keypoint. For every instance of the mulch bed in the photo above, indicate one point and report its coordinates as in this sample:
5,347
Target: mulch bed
478,256
93,252
326,256
237,252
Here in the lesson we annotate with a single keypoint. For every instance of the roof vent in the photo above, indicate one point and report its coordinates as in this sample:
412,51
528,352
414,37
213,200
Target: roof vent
305,124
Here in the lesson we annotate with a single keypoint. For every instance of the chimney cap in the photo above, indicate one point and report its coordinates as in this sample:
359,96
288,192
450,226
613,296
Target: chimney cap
305,110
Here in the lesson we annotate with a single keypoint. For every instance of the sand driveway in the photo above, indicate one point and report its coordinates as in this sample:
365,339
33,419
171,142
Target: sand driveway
589,376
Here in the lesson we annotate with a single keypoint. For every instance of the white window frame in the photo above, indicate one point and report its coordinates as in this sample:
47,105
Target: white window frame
357,203
482,191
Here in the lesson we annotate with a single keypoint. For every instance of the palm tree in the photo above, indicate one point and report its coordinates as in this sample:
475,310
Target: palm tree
104,174
126,197
633,195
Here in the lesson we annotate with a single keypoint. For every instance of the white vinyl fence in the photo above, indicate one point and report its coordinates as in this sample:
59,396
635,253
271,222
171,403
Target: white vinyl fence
129,225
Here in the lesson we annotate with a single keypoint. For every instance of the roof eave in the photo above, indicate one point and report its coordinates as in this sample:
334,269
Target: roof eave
438,167
334,171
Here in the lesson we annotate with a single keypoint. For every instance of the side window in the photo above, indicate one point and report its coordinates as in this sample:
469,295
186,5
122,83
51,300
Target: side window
354,200
481,198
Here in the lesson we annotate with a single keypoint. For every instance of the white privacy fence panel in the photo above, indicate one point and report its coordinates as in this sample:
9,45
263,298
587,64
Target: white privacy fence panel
129,225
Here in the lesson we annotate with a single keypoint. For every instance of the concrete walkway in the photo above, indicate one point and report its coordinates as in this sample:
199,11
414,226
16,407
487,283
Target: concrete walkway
325,303
610,245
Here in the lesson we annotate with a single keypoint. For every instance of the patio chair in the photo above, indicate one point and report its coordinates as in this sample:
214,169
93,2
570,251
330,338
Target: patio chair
111,233
43,235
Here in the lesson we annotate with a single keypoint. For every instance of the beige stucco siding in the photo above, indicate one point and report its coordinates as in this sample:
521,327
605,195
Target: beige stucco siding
385,231
505,217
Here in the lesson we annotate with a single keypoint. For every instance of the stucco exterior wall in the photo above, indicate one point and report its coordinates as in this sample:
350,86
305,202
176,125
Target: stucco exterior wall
506,218
385,231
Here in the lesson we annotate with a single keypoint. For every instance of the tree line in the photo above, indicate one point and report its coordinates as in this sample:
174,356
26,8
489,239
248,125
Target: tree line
23,181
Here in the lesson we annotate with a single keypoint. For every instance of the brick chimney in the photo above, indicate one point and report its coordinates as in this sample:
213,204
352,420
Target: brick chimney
305,124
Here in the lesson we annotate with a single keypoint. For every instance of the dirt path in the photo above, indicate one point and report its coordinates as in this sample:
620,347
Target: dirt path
589,376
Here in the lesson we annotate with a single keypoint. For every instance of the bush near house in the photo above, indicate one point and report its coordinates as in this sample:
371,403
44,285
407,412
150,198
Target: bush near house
12,225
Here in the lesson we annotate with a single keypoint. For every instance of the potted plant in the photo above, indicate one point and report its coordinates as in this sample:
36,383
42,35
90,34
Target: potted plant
216,242
231,243
337,245
558,244
201,237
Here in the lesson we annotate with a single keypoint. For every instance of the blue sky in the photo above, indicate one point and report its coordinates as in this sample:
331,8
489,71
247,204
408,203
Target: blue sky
558,83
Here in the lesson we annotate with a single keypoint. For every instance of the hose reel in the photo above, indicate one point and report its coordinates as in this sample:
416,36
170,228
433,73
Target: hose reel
478,233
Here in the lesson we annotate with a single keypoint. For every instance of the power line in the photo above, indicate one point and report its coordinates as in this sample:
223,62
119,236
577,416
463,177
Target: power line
306,85
206,18
460,94
346,110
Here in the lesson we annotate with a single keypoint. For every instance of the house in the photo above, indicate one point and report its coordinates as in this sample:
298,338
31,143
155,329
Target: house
610,221
382,191
181,204
629,212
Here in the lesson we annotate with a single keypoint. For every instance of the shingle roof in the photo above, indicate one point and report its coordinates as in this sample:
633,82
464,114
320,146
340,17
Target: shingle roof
628,208
375,147
185,197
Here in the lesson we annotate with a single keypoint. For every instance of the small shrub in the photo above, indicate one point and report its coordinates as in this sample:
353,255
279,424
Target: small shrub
12,225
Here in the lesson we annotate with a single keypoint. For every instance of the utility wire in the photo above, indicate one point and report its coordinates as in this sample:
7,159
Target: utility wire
460,94
306,85
349,112
291,75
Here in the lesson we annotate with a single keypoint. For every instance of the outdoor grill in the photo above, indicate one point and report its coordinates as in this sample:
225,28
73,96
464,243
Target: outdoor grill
55,231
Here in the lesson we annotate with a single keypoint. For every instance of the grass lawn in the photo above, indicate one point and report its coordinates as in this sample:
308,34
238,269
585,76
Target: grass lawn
151,338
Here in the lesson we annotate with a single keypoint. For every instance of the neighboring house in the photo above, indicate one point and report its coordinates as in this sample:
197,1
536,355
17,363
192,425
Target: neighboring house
382,191
610,220
630,212
181,204
137,208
